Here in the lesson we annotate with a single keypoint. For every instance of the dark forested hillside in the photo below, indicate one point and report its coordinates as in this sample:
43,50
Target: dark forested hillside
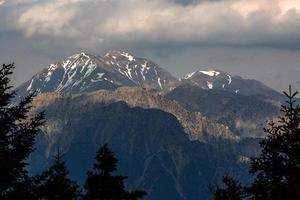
152,147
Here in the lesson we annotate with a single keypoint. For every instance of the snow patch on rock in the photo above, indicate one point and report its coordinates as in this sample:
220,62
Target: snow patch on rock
210,73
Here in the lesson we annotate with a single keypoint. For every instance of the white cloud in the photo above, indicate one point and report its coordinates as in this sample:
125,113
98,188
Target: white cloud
229,22
2,2
222,21
53,17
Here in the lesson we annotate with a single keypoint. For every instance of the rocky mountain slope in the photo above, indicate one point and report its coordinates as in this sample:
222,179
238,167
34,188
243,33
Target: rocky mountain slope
219,80
244,115
152,147
84,72
195,124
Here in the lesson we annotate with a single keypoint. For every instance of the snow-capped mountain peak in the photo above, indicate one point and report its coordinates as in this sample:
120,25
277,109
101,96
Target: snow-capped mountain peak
208,79
220,80
139,70
84,72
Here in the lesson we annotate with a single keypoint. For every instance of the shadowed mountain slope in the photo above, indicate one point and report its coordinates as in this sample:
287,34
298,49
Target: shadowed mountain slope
153,149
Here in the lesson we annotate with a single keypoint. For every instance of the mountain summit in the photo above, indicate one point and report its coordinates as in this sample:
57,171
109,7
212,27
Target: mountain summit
84,72
219,80
210,79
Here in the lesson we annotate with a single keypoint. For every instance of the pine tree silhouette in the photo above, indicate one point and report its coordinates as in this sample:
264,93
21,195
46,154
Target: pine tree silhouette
232,190
277,169
54,184
17,135
102,185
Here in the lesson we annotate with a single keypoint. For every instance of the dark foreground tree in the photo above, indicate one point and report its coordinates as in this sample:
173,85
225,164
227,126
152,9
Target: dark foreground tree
277,169
54,184
102,185
17,135
232,190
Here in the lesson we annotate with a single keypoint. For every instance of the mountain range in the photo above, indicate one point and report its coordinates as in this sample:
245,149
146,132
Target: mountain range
173,136
85,72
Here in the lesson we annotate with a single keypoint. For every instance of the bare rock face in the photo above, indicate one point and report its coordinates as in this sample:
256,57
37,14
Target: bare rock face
195,124
245,115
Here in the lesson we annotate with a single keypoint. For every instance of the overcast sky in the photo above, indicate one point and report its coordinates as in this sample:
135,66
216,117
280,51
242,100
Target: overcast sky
257,39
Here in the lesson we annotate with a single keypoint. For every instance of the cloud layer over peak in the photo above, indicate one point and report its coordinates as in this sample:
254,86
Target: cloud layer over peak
227,22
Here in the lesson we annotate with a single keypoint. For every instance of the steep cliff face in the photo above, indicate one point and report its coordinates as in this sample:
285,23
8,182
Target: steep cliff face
152,147
195,124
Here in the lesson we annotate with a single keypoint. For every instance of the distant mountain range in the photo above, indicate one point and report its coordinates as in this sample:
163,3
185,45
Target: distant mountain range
173,136
84,72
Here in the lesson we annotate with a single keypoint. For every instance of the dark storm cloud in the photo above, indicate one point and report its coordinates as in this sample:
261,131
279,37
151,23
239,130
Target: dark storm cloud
92,23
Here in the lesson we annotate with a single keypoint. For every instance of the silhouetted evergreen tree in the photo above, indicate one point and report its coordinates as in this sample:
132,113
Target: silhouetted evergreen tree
17,135
102,185
277,169
54,184
232,190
